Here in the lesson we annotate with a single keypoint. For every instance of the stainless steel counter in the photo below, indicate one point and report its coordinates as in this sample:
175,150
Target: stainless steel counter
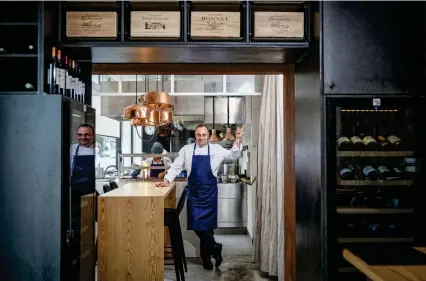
232,205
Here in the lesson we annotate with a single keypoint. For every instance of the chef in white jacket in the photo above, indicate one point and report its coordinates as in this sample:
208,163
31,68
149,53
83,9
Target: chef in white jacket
202,160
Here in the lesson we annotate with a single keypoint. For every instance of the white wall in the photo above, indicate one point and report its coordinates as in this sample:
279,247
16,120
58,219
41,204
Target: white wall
104,125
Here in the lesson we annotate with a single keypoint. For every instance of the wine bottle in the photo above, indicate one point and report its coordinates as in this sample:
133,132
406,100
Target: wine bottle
359,200
396,173
357,143
370,172
343,143
394,141
384,172
51,74
74,81
60,74
384,144
347,173
67,77
370,143
81,87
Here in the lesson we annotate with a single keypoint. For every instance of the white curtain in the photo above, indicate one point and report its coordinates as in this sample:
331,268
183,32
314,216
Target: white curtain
269,205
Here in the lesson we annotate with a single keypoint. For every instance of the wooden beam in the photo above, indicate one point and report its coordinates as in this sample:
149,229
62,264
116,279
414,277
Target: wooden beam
289,179
188,69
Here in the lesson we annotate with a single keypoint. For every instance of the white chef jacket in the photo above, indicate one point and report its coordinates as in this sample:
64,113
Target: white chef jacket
217,155
166,161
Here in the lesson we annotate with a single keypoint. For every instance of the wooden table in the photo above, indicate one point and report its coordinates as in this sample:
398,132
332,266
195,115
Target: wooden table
131,232
388,272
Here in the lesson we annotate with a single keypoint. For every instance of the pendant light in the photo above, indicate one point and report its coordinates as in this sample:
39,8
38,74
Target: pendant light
153,109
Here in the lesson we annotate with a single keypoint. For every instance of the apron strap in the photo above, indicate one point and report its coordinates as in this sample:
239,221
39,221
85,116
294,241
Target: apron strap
208,149
73,159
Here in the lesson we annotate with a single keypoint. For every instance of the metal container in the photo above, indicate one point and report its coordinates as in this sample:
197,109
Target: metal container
232,205
99,173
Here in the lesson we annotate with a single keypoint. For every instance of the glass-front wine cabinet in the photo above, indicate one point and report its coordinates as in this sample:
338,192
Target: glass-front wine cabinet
375,175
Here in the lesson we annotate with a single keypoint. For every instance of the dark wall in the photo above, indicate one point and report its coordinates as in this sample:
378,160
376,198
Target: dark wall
373,47
308,169
30,188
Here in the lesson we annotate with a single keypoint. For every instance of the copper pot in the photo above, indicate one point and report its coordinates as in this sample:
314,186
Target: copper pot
158,100
159,116
229,135
141,99
135,111
214,137
139,122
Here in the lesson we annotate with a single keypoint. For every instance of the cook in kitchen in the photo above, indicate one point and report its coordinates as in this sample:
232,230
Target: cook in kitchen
202,161
158,165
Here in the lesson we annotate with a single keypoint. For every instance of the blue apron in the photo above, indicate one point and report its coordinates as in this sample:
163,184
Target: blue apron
153,173
83,172
202,194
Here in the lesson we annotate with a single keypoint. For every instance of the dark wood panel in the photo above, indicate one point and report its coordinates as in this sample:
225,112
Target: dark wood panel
289,179
188,69
308,170
195,55
373,47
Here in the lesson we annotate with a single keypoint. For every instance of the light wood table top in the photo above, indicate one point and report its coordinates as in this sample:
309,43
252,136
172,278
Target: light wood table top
388,272
140,189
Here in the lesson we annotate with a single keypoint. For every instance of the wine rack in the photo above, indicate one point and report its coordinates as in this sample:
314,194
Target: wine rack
19,46
374,169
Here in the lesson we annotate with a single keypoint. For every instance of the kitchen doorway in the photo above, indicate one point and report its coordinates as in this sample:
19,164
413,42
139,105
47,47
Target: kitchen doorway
235,241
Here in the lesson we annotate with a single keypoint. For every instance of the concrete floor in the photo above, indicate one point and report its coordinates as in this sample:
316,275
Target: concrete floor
233,268
236,266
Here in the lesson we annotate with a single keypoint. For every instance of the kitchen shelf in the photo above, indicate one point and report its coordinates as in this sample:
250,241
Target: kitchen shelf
374,153
376,182
361,211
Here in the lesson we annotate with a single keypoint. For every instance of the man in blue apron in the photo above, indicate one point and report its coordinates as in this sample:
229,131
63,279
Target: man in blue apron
82,183
202,161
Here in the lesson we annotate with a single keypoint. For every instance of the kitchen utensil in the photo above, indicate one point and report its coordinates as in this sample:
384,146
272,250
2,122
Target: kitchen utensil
214,137
229,135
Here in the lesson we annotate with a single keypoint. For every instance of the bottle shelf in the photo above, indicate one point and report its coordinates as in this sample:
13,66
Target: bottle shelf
371,211
18,23
18,55
374,240
376,182
374,153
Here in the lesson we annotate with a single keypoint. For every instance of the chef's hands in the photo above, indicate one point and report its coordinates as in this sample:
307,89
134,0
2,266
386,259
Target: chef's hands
161,175
163,183
239,133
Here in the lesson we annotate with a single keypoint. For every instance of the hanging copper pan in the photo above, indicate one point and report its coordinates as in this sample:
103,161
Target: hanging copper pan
135,111
229,135
158,100
214,137
139,122
159,116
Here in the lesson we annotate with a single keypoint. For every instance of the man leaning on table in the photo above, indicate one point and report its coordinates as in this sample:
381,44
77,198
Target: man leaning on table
202,160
